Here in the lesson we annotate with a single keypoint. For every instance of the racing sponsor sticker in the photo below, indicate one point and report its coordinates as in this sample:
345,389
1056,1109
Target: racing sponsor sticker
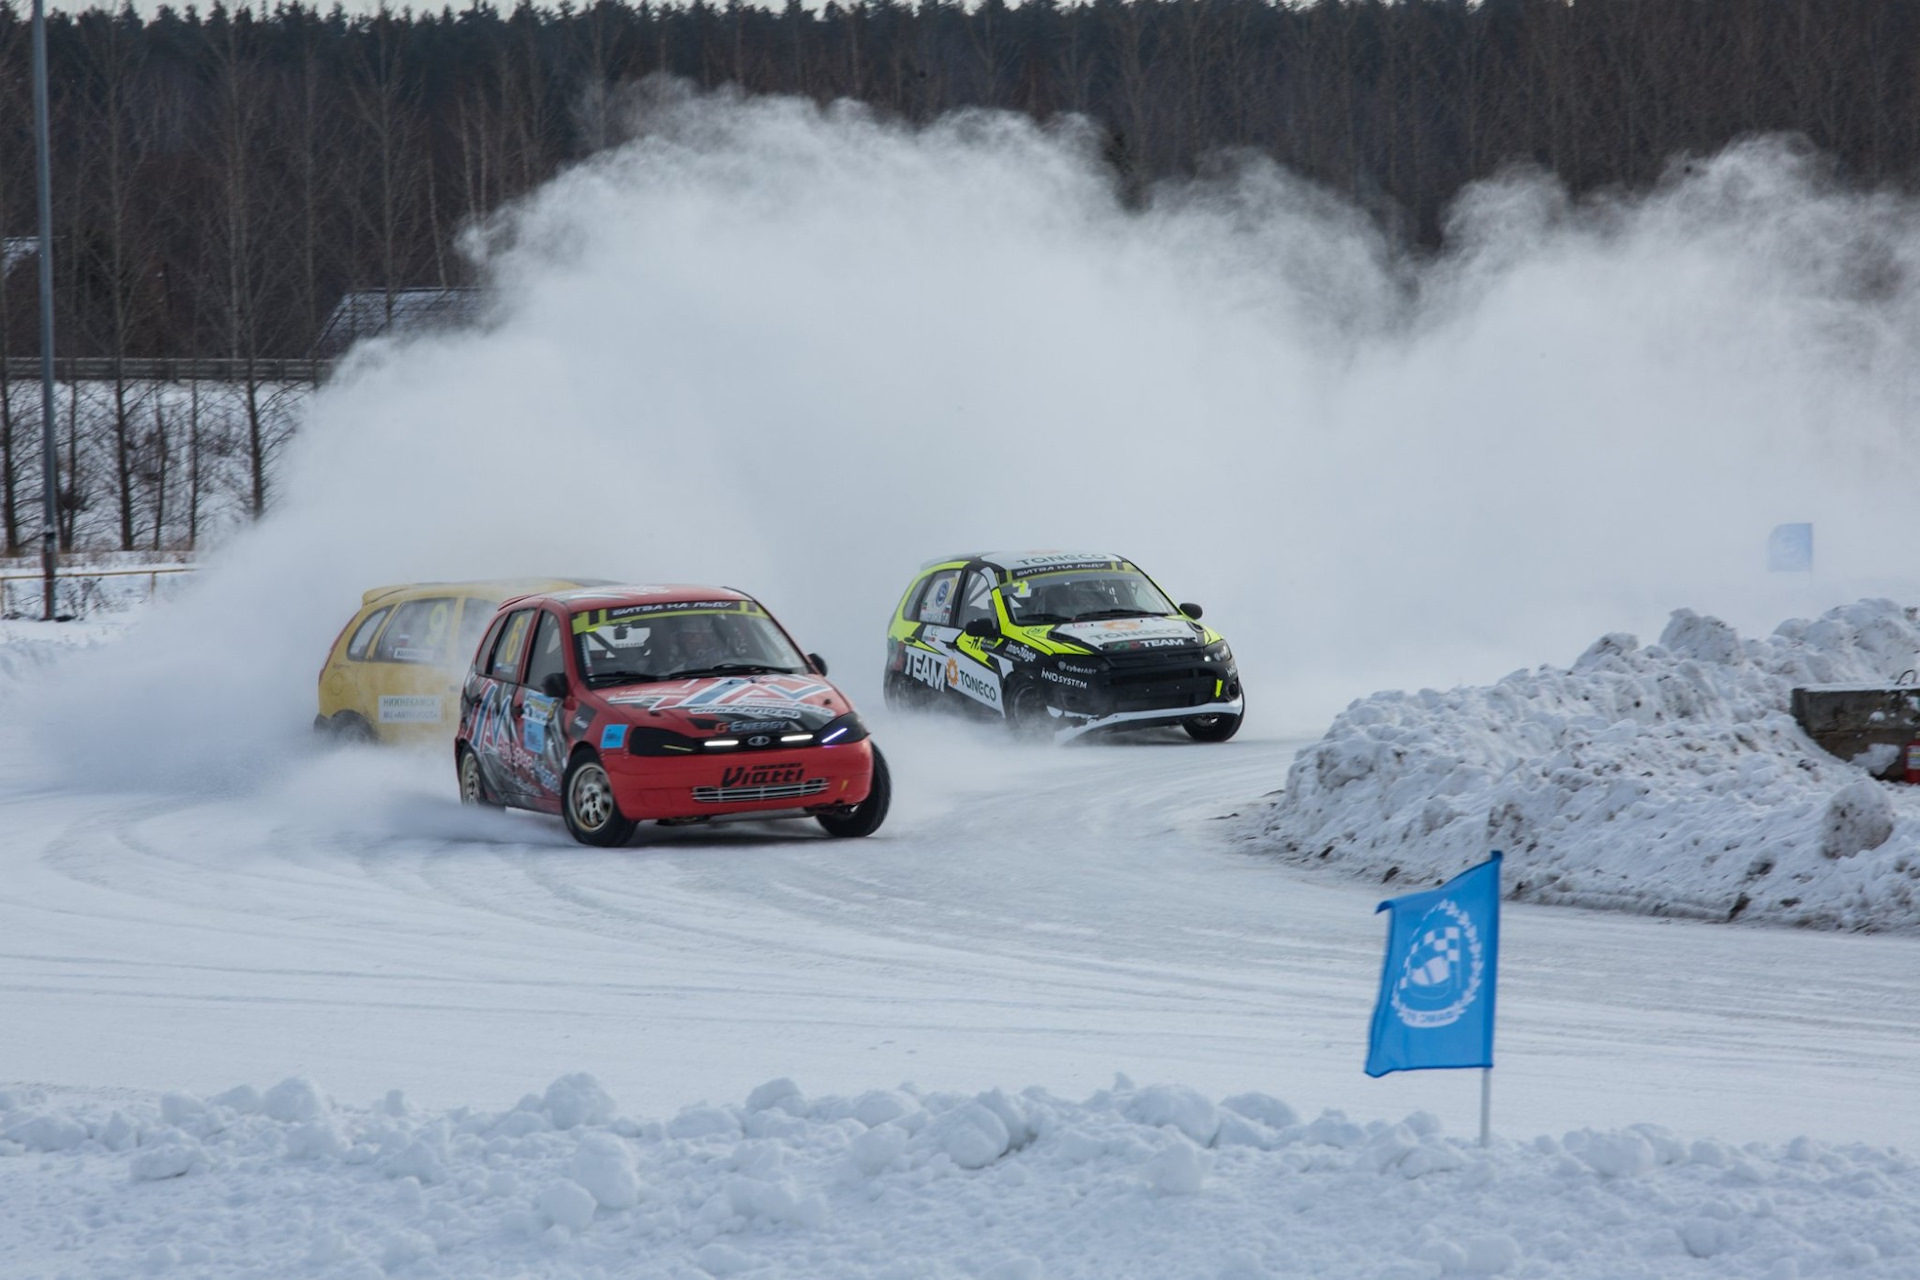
764,775
1048,673
1127,632
594,619
926,667
410,709
537,715
981,686
613,737
1029,570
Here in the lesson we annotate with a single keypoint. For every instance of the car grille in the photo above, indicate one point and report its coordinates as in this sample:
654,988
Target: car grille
1160,688
1150,658
741,795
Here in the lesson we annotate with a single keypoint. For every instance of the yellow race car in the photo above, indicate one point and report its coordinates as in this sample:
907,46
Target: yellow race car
394,672
1059,644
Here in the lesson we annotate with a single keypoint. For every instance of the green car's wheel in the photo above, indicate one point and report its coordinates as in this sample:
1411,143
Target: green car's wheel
1027,711
1212,728
588,804
864,818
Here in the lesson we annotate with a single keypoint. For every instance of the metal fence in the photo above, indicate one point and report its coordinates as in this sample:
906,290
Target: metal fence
80,592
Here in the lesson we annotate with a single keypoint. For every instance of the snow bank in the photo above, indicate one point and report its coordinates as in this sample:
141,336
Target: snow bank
29,648
1669,779
1131,1182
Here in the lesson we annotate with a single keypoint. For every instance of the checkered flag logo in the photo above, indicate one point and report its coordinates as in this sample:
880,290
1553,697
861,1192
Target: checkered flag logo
1441,972
1442,949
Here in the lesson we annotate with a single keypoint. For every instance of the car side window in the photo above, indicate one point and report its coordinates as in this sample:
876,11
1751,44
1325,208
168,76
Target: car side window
474,616
363,635
512,643
977,602
936,605
484,653
549,654
421,631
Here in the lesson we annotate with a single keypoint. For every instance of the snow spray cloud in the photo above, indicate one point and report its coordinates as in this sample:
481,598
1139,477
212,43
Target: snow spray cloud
799,351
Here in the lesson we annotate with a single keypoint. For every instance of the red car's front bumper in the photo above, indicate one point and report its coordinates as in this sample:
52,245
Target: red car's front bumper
650,788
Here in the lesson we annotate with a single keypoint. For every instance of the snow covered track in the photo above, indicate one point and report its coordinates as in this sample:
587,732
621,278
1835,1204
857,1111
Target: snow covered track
1028,917
1158,1182
1669,779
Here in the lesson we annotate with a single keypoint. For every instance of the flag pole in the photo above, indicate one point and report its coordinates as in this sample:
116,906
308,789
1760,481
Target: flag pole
1486,1106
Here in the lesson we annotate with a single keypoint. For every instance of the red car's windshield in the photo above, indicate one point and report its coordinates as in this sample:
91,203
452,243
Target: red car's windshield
681,640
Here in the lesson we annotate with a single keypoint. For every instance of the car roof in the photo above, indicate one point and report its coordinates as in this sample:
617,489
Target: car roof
604,596
492,588
1014,561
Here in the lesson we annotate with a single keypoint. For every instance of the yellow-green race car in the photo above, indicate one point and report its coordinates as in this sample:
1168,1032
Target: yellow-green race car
1059,644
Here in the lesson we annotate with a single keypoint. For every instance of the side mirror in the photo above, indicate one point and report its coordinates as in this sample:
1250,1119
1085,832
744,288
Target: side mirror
555,685
1191,610
819,663
981,628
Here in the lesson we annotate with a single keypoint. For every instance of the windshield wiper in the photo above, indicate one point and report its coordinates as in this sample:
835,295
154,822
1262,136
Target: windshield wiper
1027,619
732,669
1114,613
620,677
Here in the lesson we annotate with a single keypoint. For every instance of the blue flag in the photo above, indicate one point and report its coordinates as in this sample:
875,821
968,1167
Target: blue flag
1437,986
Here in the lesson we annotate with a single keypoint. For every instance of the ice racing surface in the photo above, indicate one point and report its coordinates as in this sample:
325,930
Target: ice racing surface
1034,919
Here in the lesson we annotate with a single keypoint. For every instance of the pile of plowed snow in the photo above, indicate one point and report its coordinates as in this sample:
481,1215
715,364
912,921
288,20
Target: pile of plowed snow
1670,779
28,649
1155,1182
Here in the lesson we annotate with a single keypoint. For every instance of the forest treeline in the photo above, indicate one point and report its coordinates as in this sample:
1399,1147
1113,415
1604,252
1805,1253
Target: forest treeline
223,177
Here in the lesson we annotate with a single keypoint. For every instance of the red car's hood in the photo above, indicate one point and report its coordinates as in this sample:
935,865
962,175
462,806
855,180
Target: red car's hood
767,702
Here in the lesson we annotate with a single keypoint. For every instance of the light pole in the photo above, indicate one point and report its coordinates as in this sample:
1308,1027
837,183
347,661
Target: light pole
50,458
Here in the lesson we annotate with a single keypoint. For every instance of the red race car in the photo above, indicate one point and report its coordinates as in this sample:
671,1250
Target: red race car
614,706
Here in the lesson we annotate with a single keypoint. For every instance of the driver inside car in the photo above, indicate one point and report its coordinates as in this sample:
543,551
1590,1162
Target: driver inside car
1071,599
696,645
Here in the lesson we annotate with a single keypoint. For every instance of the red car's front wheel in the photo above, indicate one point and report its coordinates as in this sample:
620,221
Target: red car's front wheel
588,804
864,818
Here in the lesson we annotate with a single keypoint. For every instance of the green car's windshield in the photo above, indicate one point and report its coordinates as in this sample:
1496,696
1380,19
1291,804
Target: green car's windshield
1080,595
679,642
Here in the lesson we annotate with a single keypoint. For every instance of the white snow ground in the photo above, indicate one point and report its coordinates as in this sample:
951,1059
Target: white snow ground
1029,924
1668,778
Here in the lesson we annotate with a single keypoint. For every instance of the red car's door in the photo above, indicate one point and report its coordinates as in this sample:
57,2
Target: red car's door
496,733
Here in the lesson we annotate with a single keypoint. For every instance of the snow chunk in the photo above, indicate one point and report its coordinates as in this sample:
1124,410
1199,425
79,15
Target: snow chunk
176,1156
46,1132
293,1101
1180,1108
578,1099
1858,818
1616,1155
704,1122
783,1094
568,1204
878,1106
972,1135
1179,1168
603,1164
877,1148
